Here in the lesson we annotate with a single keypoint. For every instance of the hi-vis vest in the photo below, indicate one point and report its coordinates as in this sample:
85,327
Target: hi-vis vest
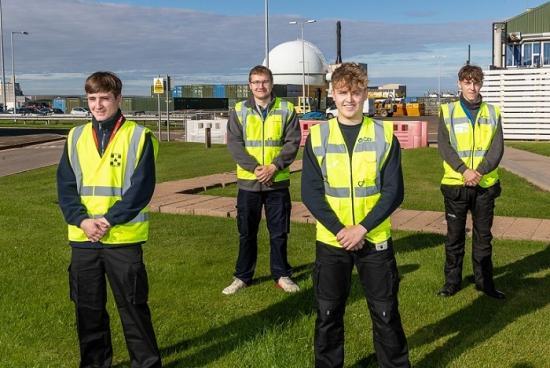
352,189
471,142
264,140
103,180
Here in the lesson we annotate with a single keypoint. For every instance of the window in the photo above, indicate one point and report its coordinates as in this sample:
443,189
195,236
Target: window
536,53
513,55
546,53
527,54
201,125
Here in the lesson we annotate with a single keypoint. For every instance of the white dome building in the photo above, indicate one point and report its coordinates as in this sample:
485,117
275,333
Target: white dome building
285,61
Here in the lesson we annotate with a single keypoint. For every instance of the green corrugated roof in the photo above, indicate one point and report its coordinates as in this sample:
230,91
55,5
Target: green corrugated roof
535,20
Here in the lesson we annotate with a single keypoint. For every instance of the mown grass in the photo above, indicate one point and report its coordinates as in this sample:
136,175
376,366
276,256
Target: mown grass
190,259
422,172
542,148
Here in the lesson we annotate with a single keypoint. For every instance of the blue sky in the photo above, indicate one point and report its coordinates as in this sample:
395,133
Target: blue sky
217,41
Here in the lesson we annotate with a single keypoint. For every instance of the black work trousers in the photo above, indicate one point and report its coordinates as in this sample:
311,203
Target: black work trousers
128,279
481,203
380,280
249,213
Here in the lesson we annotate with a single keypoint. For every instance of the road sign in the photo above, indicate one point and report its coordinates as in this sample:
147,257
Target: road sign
158,86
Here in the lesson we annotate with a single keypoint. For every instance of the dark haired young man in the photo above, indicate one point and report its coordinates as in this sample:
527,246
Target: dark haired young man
470,142
105,179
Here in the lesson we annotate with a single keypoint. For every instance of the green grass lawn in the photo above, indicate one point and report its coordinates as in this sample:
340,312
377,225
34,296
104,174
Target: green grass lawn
422,171
542,148
189,263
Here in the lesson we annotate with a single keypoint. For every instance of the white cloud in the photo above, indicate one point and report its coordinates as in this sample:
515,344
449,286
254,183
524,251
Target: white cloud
70,39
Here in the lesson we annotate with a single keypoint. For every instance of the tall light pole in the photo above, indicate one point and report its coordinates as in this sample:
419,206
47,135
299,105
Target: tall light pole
303,60
266,34
2,60
13,67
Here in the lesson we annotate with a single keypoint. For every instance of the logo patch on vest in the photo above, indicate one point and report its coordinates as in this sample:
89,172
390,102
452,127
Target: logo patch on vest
364,139
116,159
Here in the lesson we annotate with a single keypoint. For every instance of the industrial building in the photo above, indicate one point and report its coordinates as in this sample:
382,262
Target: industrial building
518,81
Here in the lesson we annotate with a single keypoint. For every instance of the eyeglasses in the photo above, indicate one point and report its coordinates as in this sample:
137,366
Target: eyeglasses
258,83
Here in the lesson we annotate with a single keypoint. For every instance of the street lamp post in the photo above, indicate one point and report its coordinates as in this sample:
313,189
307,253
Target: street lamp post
2,60
13,67
266,33
303,60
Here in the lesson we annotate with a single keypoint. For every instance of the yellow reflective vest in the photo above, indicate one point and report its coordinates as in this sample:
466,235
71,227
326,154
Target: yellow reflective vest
103,180
470,141
352,189
264,139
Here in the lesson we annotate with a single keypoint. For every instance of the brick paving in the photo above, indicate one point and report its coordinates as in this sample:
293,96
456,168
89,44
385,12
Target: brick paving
179,197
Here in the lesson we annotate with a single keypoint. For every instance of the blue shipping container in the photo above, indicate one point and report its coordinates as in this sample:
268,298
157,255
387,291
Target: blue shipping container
177,92
60,103
219,91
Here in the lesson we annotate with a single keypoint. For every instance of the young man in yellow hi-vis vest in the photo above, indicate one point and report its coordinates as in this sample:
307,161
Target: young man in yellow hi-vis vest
263,137
470,141
105,180
351,183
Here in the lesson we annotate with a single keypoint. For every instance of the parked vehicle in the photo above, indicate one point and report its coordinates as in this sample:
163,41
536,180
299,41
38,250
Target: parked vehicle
313,115
81,111
368,109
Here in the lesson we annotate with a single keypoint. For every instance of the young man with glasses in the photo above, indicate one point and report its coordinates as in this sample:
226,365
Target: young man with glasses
263,137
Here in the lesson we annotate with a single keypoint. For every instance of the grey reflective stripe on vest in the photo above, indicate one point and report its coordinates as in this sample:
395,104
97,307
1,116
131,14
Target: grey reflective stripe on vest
273,143
131,159
336,192
366,191
284,112
75,163
468,153
250,143
100,191
493,118
267,143
141,217
465,120
322,150
380,139
452,135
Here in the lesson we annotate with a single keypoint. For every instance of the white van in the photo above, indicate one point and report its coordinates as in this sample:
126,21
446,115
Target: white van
368,109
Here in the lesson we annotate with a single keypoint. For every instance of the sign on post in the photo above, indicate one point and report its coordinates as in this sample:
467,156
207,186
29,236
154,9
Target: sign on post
158,86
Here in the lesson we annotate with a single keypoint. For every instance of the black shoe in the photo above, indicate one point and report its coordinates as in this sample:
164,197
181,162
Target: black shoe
448,291
493,293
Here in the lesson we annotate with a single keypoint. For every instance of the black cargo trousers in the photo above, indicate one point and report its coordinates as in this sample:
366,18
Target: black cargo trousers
481,203
380,280
277,206
128,279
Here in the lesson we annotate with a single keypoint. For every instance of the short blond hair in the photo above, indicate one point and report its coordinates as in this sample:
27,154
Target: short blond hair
351,75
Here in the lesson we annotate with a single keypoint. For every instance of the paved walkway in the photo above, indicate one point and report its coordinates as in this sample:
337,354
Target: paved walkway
532,167
177,197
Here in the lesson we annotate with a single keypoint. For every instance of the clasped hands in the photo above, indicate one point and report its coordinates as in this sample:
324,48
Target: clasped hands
264,173
471,177
95,229
352,237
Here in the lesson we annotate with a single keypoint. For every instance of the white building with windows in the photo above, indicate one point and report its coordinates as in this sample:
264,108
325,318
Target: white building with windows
519,78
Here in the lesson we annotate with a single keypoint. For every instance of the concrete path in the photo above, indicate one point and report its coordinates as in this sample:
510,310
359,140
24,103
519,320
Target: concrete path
30,157
177,197
532,167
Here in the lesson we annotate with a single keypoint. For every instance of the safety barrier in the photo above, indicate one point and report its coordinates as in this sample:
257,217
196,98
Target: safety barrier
411,134
304,128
